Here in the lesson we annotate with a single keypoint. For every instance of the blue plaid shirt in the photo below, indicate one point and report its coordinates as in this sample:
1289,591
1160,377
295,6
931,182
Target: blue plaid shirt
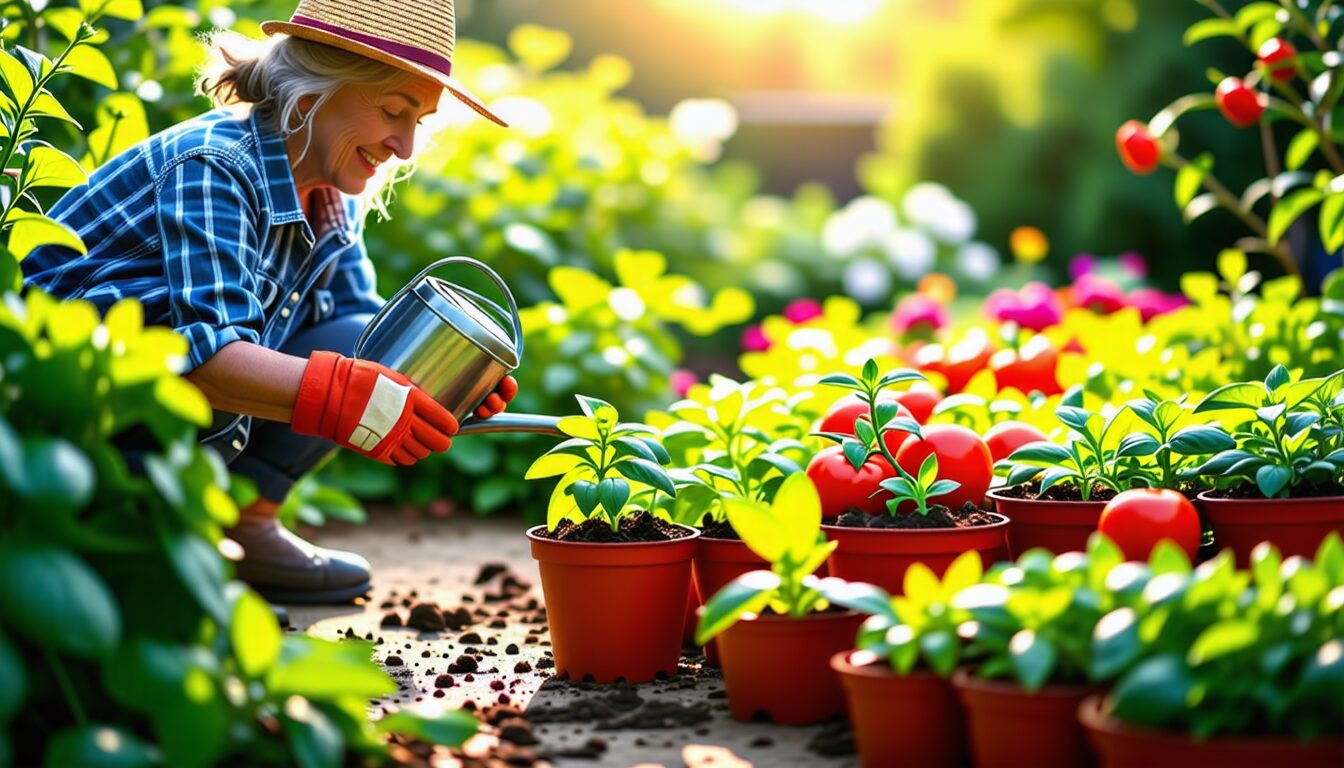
202,224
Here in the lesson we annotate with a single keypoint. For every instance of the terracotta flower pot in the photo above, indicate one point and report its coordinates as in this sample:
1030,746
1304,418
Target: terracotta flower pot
881,556
615,610
910,720
692,606
717,562
1295,526
1010,727
781,666
1059,526
1119,745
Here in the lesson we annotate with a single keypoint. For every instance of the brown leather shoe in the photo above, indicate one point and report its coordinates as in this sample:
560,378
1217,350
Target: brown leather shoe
284,568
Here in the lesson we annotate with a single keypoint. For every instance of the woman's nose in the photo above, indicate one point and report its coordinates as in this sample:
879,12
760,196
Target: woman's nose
402,143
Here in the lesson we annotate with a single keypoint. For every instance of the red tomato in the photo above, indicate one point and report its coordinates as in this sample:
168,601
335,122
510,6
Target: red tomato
841,487
958,363
962,456
921,399
1027,369
850,408
1139,518
1007,436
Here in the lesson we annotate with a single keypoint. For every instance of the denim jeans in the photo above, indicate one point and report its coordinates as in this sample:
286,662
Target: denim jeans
269,453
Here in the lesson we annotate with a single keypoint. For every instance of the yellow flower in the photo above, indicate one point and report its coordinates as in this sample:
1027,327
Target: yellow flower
1028,244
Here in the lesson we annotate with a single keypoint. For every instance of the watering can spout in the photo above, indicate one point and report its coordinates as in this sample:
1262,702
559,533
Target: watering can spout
512,422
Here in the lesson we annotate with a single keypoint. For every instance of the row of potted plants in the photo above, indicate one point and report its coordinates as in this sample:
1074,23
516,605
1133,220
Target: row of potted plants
740,444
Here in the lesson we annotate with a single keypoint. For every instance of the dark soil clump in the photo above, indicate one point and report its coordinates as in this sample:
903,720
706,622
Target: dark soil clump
426,617
641,527
1250,491
1057,493
939,517
724,530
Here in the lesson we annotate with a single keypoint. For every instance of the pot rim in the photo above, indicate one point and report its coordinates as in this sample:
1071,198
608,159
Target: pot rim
845,615
964,678
997,495
842,662
1246,503
531,534
1002,522
1093,716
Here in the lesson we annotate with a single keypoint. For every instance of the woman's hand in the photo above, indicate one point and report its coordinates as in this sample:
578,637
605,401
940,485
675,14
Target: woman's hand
499,399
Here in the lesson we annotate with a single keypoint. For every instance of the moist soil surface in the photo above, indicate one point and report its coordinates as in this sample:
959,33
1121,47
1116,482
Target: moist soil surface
1057,493
1249,491
724,530
939,517
456,618
639,527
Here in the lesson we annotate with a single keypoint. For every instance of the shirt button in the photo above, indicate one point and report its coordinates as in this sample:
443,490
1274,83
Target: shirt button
237,445
294,298
284,312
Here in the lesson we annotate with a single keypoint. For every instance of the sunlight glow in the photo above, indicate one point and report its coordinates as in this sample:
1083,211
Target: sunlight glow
836,11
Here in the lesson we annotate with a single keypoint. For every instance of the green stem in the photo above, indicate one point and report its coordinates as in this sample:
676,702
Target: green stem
1304,24
67,689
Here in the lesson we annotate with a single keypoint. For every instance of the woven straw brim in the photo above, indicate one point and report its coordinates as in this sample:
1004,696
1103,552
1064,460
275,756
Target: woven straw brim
449,82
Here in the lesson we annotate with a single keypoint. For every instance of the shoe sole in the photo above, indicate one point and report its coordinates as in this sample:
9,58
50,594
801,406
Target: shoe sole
323,597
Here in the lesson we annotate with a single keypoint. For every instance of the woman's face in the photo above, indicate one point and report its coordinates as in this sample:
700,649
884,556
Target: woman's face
362,126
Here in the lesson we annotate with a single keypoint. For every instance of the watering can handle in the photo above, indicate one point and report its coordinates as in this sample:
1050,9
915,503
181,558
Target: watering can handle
470,262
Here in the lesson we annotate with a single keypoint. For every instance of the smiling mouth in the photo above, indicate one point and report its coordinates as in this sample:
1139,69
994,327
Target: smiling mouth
372,161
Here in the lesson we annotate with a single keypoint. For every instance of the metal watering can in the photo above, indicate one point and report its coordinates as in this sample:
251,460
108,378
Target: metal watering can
453,343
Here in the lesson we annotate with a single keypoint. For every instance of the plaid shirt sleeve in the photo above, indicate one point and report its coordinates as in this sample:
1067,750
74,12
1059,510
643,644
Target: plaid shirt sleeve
353,286
205,217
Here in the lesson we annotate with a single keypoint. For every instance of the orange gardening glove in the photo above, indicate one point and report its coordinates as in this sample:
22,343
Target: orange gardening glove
496,401
370,409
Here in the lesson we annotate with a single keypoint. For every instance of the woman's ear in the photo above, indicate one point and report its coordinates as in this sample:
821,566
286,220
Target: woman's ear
306,104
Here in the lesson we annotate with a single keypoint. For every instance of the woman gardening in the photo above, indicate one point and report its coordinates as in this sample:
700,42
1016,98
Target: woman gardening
242,230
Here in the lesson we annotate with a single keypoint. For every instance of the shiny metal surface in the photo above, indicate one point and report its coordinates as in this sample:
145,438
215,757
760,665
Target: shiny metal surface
512,422
443,338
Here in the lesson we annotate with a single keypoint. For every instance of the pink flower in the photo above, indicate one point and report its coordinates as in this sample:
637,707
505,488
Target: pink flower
682,380
754,340
918,313
1134,263
1035,307
1151,302
802,310
1098,294
1082,264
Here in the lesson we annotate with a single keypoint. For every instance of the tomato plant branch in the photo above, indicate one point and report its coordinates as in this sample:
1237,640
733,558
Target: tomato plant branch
59,672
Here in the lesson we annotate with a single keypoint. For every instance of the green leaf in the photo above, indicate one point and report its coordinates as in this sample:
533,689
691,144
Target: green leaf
47,166
451,729
1137,444
635,447
128,10
1277,377
552,465
942,487
13,680
43,587
1242,395
855,452
863,430
941,649
1033,659
55,473
784,464
315,740
613,493
169,16
1271,479
1115,644
857,596
900,376
46,105
200,568
748,593
841,380
1041,452
1231,265
1289,209
870,371
1199,287
18,81
98,746
91,64
31,230
1301,148
648,473
255,634
1156,692
322,669
1205,29
928,471
1166,557
1190,178
1201,439
1323,675
1223,638
1332,221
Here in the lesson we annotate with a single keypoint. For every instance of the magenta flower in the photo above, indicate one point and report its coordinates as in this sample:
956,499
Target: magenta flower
682,380
1151,302
802,310
1082,264
1134,263
1098,294
754,340
918,313
1035,307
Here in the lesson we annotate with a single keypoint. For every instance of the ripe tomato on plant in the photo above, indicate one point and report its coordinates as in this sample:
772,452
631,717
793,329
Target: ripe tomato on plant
851,408
1139,518
920,400
1274,50
957,363
841,487
1241,104
1137,147
1030,368
1007,436
962,456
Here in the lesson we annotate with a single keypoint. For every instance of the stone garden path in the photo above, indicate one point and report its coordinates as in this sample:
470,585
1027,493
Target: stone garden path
494,656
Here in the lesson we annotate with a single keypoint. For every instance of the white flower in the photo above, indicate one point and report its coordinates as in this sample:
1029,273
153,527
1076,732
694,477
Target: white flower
911,252
703,125
935,209
865,222
867,281
978,261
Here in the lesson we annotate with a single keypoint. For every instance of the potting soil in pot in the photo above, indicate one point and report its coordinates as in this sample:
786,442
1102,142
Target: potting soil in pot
939,516
638,527
714,530
1057,493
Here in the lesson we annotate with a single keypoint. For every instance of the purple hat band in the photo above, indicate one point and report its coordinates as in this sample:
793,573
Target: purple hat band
401,50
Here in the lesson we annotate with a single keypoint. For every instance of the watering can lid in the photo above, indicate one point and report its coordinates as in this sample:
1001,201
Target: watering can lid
470,320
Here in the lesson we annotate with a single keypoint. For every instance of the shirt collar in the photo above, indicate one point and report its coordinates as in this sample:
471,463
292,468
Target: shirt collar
278,176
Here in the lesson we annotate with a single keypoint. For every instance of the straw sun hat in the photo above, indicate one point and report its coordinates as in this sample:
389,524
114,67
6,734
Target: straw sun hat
413,35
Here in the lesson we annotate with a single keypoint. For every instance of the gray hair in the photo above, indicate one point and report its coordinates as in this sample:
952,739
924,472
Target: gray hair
274,74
